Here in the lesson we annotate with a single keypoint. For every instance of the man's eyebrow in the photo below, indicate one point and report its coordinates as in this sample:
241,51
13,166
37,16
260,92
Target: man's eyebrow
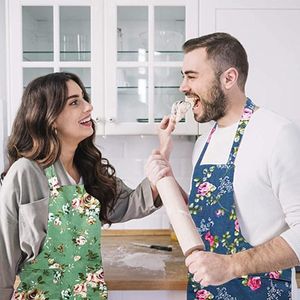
188,72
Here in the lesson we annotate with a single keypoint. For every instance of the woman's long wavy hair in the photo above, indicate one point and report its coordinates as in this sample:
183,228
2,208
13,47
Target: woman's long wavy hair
34,137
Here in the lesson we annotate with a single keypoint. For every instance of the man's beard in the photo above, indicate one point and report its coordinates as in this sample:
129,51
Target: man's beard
215,107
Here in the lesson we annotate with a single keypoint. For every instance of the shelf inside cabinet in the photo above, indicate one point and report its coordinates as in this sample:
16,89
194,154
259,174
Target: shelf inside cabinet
160,55
48,55
146,51
38,55
156,120
129,90
156,87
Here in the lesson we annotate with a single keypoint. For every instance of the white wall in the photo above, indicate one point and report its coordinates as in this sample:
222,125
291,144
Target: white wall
128,154
2,82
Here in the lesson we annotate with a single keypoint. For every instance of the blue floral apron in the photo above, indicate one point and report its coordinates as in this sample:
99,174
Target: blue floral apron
211,203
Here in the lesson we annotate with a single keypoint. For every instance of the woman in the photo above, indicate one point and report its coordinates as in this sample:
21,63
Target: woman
56,193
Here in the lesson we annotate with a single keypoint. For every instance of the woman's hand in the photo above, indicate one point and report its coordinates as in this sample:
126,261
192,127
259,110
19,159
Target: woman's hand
157,167
167,126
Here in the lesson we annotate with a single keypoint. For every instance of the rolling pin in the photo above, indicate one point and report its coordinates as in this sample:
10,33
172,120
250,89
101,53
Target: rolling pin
187,234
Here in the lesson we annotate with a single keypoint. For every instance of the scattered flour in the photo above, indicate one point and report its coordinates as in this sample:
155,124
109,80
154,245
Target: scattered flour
148,261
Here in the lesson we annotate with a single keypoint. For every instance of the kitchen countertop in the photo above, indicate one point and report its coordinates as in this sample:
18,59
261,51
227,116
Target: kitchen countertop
130,267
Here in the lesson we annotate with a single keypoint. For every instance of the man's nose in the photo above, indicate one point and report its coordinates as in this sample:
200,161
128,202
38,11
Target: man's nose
184,88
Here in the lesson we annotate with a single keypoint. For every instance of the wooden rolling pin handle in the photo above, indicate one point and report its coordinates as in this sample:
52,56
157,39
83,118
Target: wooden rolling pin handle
180,218
193,249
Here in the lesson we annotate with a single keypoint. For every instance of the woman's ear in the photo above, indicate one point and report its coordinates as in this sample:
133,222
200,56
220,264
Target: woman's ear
54,128
229,78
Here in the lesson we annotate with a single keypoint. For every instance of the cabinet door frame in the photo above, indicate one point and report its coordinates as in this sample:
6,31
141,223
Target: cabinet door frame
112,127
15,55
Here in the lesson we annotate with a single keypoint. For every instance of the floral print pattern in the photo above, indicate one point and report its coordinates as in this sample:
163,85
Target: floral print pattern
69,265
204,295
211,204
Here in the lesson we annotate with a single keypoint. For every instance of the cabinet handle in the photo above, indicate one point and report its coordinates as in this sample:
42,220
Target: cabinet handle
112,120
99,120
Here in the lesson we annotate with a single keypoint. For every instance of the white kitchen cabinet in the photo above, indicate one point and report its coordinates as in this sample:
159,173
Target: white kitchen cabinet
49,36
143,60
128,54
270,33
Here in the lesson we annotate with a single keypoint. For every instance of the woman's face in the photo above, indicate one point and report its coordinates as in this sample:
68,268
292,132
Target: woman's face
74,123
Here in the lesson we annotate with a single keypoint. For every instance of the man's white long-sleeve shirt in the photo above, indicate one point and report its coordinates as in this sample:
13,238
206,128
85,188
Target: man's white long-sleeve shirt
267,176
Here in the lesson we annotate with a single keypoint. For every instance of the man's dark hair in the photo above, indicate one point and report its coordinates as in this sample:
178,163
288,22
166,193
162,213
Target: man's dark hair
224,51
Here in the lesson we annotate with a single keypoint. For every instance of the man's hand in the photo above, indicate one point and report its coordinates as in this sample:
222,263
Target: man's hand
167,126
210,268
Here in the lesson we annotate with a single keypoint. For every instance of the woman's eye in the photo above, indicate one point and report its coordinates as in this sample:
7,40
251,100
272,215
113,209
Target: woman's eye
74,102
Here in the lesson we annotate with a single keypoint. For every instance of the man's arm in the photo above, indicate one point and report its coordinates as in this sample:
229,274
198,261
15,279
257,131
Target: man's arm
215,269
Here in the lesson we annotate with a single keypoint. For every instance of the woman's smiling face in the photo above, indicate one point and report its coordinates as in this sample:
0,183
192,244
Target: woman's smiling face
74,123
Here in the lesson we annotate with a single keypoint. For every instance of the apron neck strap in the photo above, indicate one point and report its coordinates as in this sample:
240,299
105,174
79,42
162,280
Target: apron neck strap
52,177
245,118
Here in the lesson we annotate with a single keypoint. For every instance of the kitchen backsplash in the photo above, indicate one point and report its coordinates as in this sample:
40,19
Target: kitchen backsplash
129,154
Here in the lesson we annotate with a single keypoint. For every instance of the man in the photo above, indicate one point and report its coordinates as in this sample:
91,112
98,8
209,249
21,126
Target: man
245,191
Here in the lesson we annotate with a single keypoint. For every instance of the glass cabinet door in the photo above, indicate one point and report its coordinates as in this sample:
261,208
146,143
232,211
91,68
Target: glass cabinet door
49,48
75,33
132,47
143,62
132,33
132,94
166,90
37,33
31,73
169,33
50,36
84,74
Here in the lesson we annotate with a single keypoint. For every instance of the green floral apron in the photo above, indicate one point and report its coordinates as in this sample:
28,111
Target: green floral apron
69,265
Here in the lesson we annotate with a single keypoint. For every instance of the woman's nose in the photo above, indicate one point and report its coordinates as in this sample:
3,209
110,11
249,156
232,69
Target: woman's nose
88,106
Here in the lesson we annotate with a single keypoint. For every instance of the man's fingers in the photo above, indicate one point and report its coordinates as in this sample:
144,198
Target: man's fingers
191,258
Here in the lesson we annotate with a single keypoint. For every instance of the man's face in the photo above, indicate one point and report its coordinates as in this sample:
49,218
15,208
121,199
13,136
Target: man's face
201,84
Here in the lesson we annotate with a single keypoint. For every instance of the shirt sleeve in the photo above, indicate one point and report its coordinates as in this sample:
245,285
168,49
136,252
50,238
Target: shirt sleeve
285,178
23,185
10,252
134,203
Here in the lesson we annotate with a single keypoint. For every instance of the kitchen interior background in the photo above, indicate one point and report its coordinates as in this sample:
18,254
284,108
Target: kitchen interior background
273,79
273,46
128,154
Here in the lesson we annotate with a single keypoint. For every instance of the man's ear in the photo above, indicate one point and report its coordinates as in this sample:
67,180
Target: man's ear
229,78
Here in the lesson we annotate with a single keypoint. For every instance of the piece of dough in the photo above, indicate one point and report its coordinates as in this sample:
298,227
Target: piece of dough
179,109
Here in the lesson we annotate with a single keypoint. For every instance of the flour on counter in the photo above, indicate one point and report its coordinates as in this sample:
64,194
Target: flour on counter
148,261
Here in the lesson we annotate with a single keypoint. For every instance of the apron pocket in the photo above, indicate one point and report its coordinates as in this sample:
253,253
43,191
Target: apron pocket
33,224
